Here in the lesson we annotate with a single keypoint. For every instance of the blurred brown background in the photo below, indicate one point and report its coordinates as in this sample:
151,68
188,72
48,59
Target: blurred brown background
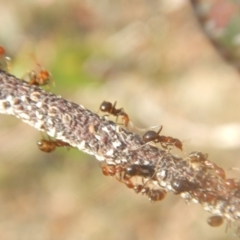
150,56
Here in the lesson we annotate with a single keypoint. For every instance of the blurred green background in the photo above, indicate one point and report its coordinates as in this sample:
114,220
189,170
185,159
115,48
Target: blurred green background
154,60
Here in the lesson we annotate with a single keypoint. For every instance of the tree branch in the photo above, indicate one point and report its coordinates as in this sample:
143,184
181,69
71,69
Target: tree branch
193,178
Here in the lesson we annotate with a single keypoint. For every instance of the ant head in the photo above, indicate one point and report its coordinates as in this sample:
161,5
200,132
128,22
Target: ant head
105,106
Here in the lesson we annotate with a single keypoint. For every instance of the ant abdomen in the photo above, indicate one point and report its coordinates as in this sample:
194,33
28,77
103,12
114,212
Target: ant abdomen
156,195
150,136
181,185
215,221
139,170
109,170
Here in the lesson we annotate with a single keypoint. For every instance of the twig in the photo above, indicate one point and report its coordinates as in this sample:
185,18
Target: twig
113,145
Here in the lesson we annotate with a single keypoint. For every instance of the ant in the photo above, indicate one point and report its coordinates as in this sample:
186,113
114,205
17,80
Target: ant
152,136
156,195
202,158
41,77
153,194
4,59
112,170
125,174
111,109
139,170
50,145
109,170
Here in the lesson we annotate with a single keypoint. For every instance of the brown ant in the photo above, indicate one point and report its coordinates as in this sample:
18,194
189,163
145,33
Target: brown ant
50,145
152,136
112,170
126,173
5,59
153,194
215,221
202,158
109,170
139,170
156,195
41,77
111,109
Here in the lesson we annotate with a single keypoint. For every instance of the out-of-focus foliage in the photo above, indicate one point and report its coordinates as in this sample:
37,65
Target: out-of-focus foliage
151,57
220,19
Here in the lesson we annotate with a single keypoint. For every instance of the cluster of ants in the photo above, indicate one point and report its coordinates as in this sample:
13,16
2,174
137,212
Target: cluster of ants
42,77
149,136
145,173
125,174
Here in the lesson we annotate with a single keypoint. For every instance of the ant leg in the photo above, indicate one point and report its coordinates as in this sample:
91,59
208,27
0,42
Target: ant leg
114,105
113,109
160,129
164,145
